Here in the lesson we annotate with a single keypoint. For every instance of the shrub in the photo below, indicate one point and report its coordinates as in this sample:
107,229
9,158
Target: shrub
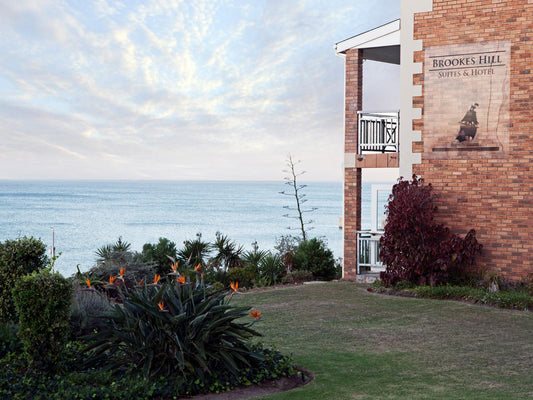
88,308
271,269
134,271
175,329
314,256
17,258
217,276
159,254
9,341
17,382
517,298
416,249
300,276
286,245
43,303
246,276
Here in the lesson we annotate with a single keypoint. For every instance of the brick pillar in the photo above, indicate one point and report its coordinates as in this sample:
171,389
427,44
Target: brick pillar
352,175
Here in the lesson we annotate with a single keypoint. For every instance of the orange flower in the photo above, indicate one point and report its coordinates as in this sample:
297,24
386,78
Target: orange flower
141,282
198,269
174,267
88,282
234,286
181,279
112,280
122,272
161,306
255,314
157,277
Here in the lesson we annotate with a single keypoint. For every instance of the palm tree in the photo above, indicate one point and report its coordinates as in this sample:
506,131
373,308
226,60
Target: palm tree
229,255
117,253
195,251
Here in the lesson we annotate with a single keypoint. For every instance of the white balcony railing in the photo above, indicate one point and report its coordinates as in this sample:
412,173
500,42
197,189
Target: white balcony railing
378,132
368,252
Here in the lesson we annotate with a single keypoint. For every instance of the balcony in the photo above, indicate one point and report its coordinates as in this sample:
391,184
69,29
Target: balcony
378,132
368,261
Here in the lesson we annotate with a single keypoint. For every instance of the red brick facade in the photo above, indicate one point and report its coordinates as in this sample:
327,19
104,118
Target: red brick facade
492,195
352,176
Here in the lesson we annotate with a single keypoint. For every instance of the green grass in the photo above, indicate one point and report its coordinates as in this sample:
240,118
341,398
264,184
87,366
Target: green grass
363,345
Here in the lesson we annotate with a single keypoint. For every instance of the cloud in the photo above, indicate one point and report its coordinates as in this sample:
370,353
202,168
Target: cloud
122,89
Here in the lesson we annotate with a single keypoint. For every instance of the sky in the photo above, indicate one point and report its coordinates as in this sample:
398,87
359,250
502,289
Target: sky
180,89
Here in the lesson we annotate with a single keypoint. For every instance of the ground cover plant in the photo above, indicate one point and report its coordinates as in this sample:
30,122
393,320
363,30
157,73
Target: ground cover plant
362,345
518,296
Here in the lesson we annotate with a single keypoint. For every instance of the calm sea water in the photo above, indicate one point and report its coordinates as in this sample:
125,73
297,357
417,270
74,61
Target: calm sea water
86,215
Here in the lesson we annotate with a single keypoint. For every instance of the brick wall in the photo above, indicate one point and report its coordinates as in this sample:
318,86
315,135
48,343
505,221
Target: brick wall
493,196
352,176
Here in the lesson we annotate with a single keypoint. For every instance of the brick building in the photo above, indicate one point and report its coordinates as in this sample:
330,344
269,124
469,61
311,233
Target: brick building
465,124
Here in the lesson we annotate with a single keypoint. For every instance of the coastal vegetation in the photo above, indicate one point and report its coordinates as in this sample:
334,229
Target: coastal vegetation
130,320
129,329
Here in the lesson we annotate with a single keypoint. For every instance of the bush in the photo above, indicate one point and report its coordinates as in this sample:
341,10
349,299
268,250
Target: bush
314,256
286,245
271,269
174,330
17,382
158,254
297,277
88,308
9,341
17,258
135,270
246,276
416,249
43,303
517,299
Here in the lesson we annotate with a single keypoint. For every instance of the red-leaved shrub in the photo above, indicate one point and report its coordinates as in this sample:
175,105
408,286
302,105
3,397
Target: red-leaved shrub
415,248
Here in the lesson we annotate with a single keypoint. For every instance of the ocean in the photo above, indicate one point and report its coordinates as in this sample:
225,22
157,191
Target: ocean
85,215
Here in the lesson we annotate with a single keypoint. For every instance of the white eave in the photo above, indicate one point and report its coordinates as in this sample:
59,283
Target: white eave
379,44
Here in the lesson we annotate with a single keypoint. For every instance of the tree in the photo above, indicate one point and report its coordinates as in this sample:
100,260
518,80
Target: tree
195,251
228,253
117,253
296,190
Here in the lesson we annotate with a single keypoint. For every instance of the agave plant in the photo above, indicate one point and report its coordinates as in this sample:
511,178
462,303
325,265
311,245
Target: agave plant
174,329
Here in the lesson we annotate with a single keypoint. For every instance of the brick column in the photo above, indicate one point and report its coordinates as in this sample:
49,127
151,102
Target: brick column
352,175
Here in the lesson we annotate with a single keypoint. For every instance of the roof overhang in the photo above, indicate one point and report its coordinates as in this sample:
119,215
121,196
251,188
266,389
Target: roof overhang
379,44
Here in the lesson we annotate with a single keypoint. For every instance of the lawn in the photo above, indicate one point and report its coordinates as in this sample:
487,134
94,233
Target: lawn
363,345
